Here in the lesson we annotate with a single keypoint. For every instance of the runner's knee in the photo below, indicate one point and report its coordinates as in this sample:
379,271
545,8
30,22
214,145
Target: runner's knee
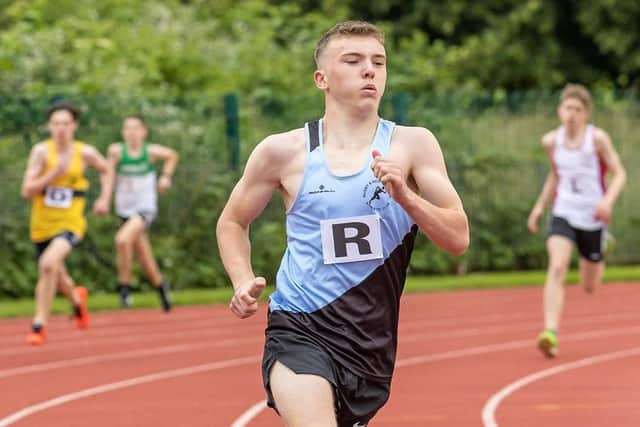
557,271
48,266
122,241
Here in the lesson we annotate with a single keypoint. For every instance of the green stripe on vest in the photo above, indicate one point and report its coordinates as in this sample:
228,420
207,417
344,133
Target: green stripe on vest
140,165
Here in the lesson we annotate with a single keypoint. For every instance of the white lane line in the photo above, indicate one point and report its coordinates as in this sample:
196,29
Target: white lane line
161,320
68,334
510,345
245,418
490,407
95,342
116,335
22,370
105,388
511,326
60,364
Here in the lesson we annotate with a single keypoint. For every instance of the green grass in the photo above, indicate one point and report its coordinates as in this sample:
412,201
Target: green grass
101,302
510,279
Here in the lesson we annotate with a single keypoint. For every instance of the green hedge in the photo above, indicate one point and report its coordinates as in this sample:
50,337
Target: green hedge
490,142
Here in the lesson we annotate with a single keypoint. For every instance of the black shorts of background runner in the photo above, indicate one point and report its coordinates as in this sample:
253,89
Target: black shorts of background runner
67,235
590,243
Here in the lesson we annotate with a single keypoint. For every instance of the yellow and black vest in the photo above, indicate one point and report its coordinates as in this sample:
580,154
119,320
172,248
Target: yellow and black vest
60,207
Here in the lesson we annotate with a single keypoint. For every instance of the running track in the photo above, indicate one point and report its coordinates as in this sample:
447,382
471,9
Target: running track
465,359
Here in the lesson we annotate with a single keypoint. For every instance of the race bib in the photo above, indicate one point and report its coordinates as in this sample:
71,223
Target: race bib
58,197
351,239
130,184
583,184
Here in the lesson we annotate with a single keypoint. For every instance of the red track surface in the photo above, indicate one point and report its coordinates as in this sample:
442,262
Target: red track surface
200,366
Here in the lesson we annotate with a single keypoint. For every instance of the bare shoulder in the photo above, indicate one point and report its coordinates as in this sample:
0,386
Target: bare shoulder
88,149
92,156
549,138
282,147
158,147
161,152
415,139
39,149
114,147
114,152
601,137
38,153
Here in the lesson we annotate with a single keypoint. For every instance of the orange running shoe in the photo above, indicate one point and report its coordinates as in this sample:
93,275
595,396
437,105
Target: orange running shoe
36,338
82,313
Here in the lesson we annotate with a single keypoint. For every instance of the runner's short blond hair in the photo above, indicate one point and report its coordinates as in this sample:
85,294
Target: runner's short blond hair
348,28
576,91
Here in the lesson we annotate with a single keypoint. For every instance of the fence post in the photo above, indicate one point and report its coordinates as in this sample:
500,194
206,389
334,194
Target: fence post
400,104
232,128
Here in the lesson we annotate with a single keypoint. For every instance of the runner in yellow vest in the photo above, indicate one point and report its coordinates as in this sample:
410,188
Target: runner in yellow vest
54,181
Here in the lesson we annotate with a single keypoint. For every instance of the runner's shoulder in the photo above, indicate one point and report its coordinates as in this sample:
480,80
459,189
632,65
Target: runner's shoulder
600,134
415,136
549,138
282,147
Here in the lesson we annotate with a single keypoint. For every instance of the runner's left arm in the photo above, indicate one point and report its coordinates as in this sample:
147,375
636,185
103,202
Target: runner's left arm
169,157
93,158
435,206
611,159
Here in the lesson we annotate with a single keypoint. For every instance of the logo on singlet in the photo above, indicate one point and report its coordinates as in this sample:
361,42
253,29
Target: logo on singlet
322,189
375,196
351,239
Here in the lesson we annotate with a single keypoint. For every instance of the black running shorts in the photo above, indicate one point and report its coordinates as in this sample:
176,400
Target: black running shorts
67,235
590,243
356,399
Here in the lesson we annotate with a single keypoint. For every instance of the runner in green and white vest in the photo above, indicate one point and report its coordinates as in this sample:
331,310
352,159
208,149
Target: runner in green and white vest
136,195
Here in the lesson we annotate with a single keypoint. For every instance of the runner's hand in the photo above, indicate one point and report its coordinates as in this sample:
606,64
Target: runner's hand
245,299
64,161
603,211
101,207
389,173
164,183
532,221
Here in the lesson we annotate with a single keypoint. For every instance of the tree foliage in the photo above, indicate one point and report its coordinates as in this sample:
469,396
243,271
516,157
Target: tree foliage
262,47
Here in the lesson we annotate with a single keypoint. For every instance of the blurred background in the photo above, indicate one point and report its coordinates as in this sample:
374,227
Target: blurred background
214,78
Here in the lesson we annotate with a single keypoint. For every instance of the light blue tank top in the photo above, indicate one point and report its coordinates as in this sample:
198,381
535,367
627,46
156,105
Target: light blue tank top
339,230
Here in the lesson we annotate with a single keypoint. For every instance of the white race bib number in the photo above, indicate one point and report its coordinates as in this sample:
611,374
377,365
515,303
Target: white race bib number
58,197
351,239
130,184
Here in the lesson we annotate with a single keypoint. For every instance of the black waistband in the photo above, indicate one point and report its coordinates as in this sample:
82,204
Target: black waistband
76,193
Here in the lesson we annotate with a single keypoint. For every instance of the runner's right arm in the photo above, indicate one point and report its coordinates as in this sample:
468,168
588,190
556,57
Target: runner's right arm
33,183
549,188
260,180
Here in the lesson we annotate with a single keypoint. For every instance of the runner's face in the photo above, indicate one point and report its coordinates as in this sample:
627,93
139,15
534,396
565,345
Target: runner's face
573,113
353,69
133,131
62,126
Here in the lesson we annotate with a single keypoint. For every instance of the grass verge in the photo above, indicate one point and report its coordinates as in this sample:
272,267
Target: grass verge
101,302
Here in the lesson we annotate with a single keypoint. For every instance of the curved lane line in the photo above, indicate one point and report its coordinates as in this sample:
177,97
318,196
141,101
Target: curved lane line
251,413
105,388
490,407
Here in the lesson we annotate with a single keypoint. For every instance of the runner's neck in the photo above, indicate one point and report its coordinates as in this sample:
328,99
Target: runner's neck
349,131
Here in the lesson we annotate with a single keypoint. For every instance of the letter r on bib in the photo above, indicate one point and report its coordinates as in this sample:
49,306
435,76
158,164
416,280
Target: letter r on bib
351,239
